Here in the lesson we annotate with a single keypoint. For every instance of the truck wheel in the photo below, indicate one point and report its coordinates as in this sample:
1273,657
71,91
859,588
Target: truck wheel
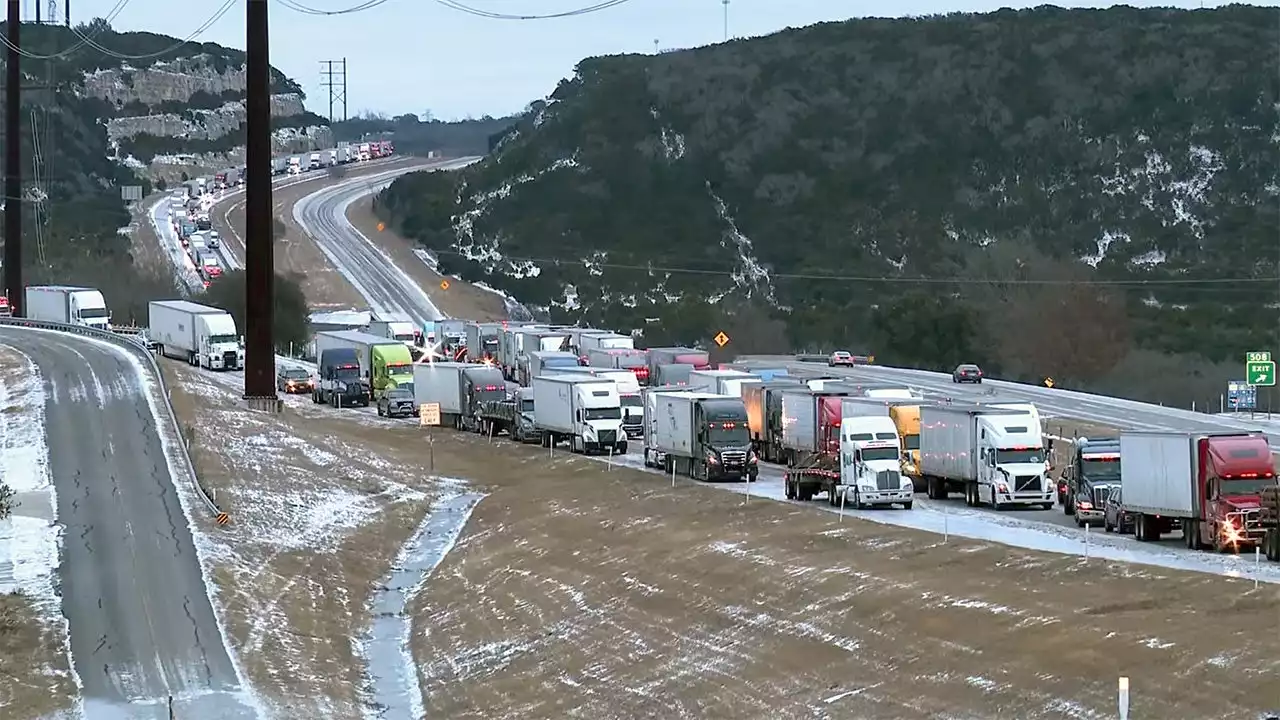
1272,549
788,490
907,505
806,494
622,449
380,410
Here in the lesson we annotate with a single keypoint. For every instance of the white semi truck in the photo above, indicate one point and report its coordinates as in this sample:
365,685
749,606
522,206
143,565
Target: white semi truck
65,304
202,335
996,456
628,394
720,382
871,464
583,410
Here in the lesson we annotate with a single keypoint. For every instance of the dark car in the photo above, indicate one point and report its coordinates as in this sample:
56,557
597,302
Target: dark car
397,402
293,380
967,373
1115,519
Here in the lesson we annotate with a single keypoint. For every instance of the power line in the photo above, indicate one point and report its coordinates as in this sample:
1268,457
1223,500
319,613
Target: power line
116,10
460,7
226,6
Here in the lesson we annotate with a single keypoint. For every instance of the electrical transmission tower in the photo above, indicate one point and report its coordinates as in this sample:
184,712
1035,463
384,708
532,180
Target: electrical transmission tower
335,81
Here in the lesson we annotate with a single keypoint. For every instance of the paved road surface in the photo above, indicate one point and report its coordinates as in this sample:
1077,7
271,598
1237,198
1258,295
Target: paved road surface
142,627
1114,412
323,215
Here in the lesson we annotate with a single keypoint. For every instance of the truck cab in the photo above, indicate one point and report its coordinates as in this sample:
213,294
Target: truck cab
391,367
480,383
724,439
871,464
1091,476
1011,462
295,165
906,418
340,384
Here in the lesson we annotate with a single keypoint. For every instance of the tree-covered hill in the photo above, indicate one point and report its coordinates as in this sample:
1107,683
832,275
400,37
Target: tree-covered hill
816,175
79,86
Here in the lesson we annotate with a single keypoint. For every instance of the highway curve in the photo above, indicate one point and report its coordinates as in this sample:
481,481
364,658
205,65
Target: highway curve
323,215
142,626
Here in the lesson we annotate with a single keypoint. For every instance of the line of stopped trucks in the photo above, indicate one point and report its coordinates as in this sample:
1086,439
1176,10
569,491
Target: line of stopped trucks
859,444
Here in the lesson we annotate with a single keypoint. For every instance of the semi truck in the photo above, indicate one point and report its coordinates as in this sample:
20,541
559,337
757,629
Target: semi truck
202,335
526,341
513,416
628,395
996,456
482,341
764,415
66,304
1091,475
339,382
1269,519
543,362
865,472
460,389
394,326
1209,484
583,410
700,435
636,361
678,374
385,363
906,418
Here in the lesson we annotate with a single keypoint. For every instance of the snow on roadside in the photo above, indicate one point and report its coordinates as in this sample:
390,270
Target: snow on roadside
30,546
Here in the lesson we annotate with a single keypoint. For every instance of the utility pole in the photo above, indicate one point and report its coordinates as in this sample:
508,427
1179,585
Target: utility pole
726,19
335,81
260,275
13,165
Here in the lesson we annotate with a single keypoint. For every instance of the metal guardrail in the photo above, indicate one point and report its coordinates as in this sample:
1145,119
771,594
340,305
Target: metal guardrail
811,358
131,343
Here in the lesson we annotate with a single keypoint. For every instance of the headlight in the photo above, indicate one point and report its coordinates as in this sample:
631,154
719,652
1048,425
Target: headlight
711,458
906,483
867,488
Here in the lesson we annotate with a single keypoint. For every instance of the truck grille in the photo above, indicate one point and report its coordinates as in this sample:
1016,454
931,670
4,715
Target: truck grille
607,437
228,360
733,457
1026,483
888,480
1100,495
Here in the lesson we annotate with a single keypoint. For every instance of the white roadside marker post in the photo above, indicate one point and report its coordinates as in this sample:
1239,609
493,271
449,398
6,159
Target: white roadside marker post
1257,564
1086,541
673,474
609,462
1124,698
843,497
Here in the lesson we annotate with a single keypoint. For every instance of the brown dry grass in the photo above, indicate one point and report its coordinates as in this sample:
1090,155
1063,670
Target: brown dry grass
294,592
461,300
579,592
35,679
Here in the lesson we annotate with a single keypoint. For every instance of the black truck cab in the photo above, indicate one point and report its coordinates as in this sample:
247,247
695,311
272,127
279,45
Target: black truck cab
1089,478
340,383
724,435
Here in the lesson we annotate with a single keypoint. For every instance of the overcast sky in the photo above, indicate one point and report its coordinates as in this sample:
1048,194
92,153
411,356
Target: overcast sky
419,55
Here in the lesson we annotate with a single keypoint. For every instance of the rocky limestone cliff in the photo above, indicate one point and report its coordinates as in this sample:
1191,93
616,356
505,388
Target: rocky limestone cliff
175,80
203,124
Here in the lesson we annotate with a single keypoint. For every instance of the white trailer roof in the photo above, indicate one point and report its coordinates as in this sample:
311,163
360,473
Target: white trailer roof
188,306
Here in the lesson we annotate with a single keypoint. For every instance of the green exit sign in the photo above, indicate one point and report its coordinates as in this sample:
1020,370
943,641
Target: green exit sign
1260,372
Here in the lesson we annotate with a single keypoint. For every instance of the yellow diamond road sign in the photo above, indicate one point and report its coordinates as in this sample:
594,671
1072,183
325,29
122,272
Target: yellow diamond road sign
722,339
1048,382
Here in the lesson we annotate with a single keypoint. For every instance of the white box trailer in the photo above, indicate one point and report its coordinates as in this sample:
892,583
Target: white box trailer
440,382
1158,473
994,455
582,409
605,341
200,334
716,381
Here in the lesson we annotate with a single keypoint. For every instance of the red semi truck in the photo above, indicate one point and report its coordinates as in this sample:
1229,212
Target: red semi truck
1207,484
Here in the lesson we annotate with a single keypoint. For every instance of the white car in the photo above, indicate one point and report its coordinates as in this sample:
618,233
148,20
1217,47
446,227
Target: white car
212,237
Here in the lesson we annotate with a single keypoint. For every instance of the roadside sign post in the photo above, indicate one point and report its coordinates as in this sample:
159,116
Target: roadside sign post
1241,395
429,417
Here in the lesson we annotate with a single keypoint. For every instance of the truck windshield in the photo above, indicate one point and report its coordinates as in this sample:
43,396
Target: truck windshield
912,442
613,413
727,433
220,339
1244,486
399,368
880,453
1100,468
632,401
1020,455
526,406
346,373
404,337
86,313
560,362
